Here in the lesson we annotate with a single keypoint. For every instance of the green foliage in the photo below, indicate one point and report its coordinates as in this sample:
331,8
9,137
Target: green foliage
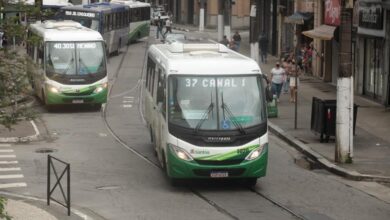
3,213
14,86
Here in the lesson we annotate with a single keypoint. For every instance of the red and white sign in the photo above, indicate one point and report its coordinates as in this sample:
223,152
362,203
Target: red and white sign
332,12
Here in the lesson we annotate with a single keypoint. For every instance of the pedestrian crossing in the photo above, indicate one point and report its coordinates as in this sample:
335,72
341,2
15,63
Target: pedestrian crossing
10,173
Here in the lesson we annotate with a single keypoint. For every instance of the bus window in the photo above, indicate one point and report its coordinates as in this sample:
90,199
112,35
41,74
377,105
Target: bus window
106,23
161,91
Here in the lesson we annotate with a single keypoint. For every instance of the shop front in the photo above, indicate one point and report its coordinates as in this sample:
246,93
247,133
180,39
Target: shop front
372,51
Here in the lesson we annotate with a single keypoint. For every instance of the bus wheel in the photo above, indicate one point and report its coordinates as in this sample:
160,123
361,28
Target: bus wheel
250,182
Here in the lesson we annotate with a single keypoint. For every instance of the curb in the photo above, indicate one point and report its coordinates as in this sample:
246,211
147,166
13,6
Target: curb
29,138
322,161
180,29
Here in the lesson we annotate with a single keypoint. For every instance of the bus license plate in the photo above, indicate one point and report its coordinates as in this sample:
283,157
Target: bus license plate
219,174
77,101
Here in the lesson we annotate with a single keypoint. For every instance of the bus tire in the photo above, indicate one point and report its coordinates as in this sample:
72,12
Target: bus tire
250,182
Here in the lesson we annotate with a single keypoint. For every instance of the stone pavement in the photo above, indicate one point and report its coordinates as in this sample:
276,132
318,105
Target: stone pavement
371,143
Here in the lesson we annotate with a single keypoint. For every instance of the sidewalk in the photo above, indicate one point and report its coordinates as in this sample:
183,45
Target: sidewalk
372,140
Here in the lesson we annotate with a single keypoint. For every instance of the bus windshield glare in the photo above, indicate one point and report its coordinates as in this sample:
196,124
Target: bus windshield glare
75,59
216,103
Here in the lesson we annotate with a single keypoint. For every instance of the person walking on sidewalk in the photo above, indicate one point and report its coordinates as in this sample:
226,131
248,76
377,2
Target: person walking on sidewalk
294,81
286,65
277,76
237,41
263,46
160,26
168,26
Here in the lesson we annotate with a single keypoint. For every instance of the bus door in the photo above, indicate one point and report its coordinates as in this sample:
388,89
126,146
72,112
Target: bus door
161,125
39,75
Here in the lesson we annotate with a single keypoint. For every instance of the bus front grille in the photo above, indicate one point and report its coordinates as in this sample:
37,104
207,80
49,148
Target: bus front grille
89,92
217,162
207,172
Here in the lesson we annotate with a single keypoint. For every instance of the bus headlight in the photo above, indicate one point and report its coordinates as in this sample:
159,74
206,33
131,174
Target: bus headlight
255,153
100,88
180,153
53,89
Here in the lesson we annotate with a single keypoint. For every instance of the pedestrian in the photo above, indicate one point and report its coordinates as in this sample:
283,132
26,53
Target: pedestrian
277,77
294,81
168,26
225,41
307,59
160,26
286,65
263,46
1,38
237,41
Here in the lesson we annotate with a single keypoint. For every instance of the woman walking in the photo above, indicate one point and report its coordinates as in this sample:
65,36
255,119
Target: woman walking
277,76
294,81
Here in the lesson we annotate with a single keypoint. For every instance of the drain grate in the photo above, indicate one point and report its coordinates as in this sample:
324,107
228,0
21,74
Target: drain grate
45,150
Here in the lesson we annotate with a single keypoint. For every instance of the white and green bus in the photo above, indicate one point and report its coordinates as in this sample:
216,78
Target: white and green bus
71,62
139,18
205,107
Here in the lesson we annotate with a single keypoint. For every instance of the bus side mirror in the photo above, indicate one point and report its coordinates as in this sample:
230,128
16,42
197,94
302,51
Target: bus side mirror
267,89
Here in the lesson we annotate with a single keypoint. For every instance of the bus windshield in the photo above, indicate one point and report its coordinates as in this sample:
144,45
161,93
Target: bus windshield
216,102
75,59
87,22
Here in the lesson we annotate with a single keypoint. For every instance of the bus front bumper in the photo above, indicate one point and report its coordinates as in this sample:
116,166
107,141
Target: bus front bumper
60,98
181,169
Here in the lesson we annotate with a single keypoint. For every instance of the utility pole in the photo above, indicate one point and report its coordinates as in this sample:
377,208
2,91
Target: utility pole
255,14
344,114
227,18
201,16
220,19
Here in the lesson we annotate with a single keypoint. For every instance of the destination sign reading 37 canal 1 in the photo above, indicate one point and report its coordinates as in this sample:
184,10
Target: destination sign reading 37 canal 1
212,82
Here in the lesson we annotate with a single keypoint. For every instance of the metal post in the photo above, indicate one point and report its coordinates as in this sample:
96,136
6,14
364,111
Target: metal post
220,19
201,15
296,82
68,188
48,179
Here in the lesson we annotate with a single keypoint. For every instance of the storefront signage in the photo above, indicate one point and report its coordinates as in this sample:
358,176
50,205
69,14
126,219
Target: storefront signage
332,12
371,15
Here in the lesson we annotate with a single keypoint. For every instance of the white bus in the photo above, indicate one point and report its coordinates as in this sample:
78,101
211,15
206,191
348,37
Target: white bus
72,63
139,18
206,110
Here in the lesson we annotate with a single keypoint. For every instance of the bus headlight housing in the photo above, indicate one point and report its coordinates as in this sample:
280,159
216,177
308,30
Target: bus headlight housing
100,88
54,89
255,153
180,153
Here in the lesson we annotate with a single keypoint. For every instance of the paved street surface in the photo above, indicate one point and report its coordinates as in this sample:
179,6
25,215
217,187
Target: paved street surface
114,173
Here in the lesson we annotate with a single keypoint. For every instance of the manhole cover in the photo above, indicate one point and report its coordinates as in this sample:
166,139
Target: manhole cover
45,150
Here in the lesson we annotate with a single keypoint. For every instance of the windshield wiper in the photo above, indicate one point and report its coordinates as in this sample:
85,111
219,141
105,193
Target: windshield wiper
68,66
204,116
231,116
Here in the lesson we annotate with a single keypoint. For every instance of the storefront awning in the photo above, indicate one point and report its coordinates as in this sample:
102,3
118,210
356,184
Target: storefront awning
323,32
298,18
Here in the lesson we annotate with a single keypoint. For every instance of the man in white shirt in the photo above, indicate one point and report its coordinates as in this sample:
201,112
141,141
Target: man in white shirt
168,26
278,75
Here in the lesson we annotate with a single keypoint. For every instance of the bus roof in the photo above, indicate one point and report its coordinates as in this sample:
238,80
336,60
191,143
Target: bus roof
131,3
97,7
202,58
66,30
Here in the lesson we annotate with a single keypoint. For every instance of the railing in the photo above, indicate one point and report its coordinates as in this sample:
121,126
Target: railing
50,167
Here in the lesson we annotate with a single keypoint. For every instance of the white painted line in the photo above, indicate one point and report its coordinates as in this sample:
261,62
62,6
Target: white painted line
10,169
128,97
12,185
7,156
6,151
5,145
15,176
35,127
9,162
127,106
128,101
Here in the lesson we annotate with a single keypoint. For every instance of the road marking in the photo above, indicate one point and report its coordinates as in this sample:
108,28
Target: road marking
15,176
9,162
5,145
6,151
12,185
10,169
8,156
127,106
128,97
127,101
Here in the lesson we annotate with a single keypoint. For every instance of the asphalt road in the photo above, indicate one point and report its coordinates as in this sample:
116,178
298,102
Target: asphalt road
114,172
